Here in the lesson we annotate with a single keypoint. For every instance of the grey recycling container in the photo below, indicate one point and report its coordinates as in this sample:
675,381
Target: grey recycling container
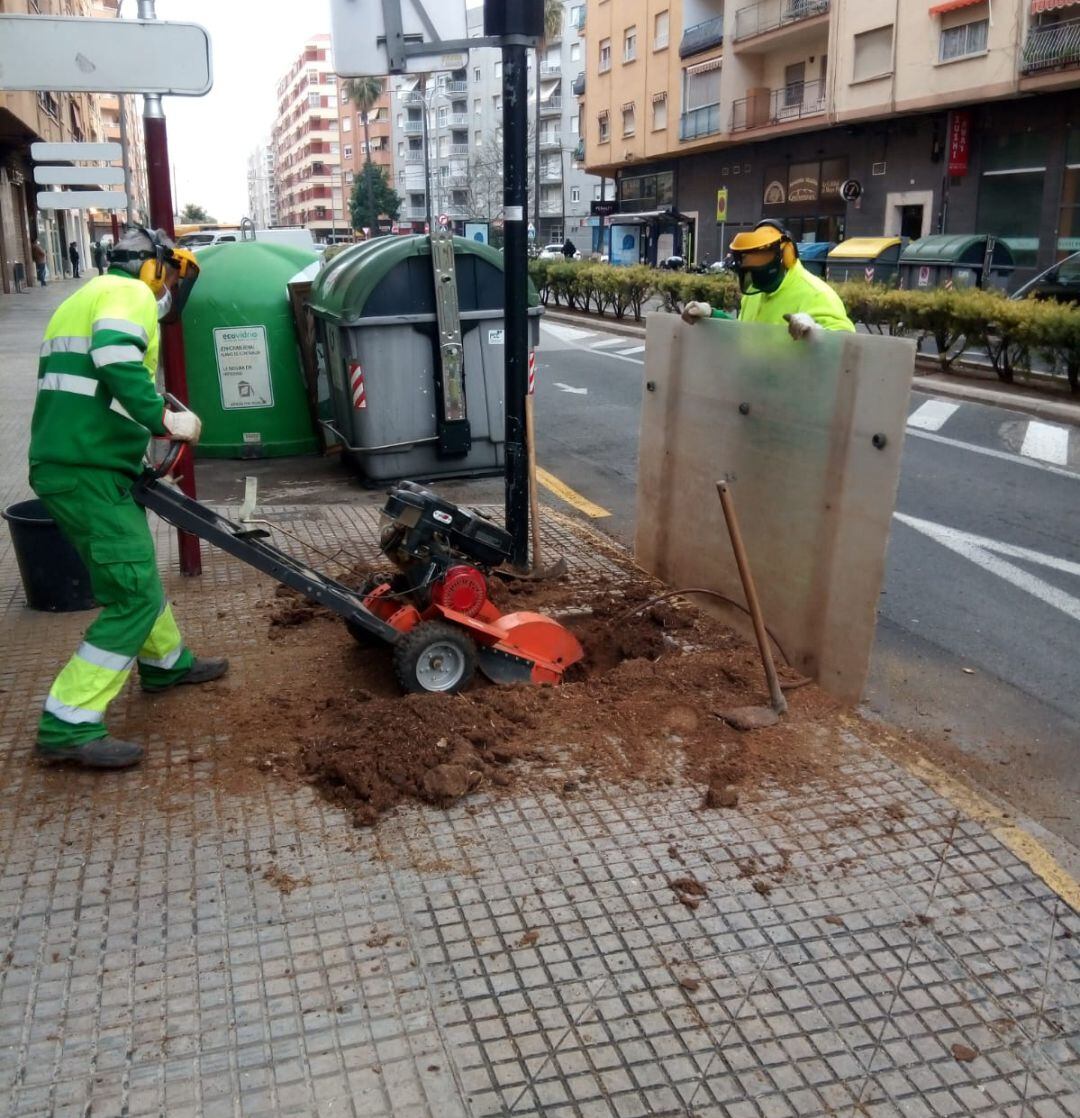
955,260
376,347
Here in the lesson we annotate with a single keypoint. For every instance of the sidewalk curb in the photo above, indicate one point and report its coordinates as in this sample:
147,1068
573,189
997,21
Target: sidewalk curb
927,376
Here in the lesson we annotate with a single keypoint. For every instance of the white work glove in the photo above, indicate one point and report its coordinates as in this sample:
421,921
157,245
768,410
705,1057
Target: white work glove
802,327
184,426
693,311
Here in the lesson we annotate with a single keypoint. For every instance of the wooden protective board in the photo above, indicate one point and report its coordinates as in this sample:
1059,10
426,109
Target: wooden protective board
793,426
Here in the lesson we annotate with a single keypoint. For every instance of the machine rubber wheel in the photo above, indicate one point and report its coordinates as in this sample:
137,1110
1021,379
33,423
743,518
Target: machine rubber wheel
434,657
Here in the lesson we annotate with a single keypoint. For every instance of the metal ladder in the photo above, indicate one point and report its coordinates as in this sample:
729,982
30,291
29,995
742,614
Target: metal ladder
455,436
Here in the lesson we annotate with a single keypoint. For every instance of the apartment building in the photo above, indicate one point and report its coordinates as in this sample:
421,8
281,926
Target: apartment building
24,119
311,187
460,112
430,141
121,122
262,204
351,127
947,115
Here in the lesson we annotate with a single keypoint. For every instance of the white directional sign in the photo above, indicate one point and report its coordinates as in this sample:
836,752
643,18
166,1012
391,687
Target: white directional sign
78,176
82,55
82,200
43,152
362,45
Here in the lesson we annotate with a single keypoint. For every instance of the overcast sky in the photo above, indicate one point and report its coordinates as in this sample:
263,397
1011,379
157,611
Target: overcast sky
210,138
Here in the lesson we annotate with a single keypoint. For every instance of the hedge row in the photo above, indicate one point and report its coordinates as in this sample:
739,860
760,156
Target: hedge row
1010,332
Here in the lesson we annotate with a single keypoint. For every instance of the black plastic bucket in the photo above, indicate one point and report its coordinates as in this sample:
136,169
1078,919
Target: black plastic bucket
53,575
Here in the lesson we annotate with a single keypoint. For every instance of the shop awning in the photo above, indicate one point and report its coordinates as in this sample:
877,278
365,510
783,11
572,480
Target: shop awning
1038,6
951,6
646,216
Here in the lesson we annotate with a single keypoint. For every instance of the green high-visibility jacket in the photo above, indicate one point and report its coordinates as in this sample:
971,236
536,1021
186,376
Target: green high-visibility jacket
97,405
799,293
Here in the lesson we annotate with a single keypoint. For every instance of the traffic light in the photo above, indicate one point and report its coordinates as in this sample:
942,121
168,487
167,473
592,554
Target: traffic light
514,17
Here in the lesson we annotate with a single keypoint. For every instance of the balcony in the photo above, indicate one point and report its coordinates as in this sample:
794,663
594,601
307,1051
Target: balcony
413,128
456,120
551,174
704,121
551,107
457,87
702,36
579,23
550,141
579,151
414,157
414,213
769,15
1052,47
550,69
551,207
579,85
765,107
458,151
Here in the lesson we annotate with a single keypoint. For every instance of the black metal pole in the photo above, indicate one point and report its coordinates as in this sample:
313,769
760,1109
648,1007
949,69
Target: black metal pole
516,274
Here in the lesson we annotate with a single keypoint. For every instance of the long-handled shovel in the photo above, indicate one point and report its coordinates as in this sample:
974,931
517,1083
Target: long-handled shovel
751,718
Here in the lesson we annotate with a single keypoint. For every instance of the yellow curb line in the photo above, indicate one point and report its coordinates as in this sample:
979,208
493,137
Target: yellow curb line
1025,846
571,496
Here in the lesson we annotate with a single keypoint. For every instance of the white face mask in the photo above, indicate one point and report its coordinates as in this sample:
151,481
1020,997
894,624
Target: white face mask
164,304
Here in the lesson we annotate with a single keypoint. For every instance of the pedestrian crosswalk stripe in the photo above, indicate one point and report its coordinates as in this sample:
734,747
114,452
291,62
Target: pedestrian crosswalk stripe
607,342
933,415
634,349
1047,442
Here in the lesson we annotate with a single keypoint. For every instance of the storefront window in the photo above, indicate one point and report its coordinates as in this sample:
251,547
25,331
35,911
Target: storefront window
639,193
1011,191
1069,221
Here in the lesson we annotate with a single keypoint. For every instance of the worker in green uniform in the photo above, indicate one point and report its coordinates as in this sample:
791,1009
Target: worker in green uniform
776,288
96,409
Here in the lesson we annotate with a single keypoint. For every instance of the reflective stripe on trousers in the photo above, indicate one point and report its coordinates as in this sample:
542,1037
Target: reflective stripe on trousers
89,681
164,646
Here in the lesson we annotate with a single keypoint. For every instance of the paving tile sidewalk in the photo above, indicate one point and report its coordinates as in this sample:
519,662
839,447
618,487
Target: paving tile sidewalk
152,964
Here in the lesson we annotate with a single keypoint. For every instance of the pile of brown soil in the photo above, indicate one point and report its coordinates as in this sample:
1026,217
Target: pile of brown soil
641,709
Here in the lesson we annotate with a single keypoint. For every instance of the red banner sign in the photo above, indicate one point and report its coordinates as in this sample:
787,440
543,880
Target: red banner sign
959,143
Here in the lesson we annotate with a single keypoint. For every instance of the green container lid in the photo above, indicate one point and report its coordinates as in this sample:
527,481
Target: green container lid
243,360
392,276
954,248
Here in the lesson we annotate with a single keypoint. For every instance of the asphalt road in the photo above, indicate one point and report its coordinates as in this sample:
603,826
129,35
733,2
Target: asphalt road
979,624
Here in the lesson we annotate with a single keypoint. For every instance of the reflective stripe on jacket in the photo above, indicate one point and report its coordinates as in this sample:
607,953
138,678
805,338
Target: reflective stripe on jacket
96,403
799,293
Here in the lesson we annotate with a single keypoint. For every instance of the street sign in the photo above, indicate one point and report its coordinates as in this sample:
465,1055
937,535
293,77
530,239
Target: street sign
721,205
444,221
603,209
79,176
398,36
851,190
83,55
82,200
42,152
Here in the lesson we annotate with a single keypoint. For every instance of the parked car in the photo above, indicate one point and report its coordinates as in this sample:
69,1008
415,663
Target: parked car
206,238
1060,282
555,252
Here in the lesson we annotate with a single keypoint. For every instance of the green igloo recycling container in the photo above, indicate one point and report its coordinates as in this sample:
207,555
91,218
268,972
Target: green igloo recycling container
245,379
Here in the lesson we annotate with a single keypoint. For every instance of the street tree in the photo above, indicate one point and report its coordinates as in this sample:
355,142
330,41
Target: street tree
372,197
194,214
364,93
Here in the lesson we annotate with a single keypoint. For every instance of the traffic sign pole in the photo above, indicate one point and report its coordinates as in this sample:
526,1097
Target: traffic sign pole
172,337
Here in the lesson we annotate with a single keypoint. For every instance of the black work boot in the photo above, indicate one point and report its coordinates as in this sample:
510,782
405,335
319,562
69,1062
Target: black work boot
101,753
201,671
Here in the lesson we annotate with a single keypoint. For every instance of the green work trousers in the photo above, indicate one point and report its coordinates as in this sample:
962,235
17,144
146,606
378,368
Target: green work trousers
97,513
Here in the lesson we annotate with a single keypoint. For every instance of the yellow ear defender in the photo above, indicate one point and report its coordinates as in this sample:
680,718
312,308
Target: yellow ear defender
152,273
